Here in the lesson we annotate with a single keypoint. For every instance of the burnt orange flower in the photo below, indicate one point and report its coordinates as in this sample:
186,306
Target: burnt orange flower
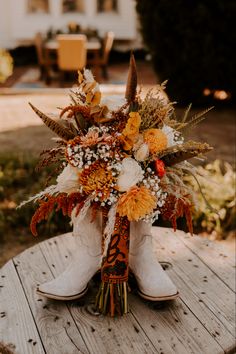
156,140
136,203
96,178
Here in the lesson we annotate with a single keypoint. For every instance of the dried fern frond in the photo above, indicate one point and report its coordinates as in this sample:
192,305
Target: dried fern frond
57,128
131,85
179,153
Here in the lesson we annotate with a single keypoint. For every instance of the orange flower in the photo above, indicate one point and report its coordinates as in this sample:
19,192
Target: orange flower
156,140
131,130
136,203
96,178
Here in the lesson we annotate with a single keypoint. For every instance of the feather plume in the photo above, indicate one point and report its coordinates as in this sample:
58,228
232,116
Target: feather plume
179,153
131,85
57,128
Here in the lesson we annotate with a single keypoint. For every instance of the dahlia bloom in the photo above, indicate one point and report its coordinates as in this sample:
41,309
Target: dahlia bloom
136,203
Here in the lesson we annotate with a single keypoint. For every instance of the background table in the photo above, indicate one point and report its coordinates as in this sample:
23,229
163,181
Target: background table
93,47
200,321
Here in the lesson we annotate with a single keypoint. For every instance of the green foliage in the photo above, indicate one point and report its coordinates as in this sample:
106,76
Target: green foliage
18,181
218,184
191,43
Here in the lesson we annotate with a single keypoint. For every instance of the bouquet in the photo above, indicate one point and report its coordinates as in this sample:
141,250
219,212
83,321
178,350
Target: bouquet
124,157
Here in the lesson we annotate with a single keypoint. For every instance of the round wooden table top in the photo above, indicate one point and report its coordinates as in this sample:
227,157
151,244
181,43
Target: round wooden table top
201,320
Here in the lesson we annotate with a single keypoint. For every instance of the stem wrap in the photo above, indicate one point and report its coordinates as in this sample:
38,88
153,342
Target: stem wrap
112,294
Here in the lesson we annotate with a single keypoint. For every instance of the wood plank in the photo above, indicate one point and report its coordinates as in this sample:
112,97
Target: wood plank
166,329
57,328
173,328
219,257
17,326
201,290
102,334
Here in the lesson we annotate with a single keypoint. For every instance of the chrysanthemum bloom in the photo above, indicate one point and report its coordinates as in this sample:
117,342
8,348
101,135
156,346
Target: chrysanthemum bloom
97,178
136,203
156,140
131,131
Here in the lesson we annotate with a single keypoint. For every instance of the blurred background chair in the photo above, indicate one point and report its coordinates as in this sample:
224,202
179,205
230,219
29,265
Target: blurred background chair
72,53
103,59
45,62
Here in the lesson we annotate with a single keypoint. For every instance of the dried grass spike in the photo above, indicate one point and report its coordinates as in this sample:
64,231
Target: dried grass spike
57,128
131,85
196,119
179,153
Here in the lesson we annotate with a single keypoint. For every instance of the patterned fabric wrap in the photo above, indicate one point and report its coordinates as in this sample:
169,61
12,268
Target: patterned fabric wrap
112,295
115,263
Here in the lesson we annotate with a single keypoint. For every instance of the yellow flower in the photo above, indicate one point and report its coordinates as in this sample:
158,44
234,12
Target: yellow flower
6,65
131,130
136,203
156,140
96,178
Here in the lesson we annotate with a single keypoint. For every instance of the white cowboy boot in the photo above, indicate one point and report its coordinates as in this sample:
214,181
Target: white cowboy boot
73,282
153,282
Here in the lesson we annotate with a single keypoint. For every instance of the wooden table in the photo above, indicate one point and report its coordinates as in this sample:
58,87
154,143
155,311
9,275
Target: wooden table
201,321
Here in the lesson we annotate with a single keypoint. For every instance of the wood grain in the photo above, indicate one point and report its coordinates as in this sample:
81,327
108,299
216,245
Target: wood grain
17,326
55,324
217,255
101,334
200,321
201,290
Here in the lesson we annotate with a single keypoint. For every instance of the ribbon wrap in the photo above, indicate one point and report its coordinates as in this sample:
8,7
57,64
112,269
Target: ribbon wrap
112,295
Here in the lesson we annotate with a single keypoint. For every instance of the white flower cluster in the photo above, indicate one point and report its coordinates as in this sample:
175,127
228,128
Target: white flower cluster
82,157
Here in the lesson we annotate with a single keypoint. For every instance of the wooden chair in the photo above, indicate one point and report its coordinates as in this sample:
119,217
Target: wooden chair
103,60
72,52
44,62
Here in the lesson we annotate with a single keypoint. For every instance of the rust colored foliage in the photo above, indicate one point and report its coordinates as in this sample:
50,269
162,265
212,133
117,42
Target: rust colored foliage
175,208
63,202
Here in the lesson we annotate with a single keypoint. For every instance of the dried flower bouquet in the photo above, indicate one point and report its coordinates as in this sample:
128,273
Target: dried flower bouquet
124,157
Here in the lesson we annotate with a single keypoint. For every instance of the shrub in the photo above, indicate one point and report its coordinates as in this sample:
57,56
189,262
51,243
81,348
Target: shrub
18,181
218,184
191,43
